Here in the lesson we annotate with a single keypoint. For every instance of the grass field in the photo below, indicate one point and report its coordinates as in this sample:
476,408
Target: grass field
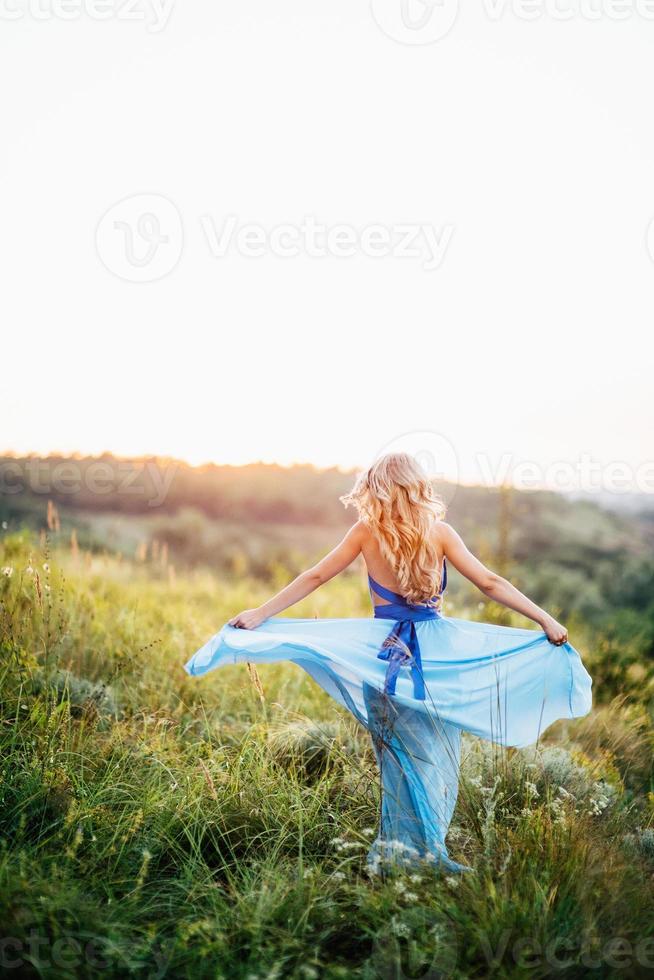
157,825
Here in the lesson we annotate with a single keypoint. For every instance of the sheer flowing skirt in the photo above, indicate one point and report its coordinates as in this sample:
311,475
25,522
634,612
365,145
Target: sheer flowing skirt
503,684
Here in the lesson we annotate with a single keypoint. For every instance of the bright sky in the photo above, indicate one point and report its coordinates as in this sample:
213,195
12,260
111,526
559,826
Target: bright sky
516,154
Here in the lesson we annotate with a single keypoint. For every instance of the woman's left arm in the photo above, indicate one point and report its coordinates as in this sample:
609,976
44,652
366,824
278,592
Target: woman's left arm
496,587
307,582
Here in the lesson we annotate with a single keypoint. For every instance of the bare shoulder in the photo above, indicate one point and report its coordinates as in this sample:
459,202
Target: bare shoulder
362,537
360,532
443,530
445,534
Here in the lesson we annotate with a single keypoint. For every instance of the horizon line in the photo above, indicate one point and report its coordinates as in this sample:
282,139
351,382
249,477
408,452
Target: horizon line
79,455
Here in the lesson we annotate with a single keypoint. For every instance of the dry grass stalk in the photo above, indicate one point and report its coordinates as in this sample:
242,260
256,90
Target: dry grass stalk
52,517
208,779
256,682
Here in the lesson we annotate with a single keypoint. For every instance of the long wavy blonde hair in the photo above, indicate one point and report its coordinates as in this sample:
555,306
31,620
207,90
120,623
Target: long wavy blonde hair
397,502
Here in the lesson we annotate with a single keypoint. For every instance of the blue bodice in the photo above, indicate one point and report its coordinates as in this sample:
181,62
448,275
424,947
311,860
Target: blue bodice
401,647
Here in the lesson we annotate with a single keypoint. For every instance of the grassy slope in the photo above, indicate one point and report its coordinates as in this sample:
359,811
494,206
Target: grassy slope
266,521
191,828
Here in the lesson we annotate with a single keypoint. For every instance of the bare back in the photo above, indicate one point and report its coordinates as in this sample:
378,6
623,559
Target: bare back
377,566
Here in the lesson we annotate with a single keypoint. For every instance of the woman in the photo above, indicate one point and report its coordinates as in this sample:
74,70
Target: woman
413,677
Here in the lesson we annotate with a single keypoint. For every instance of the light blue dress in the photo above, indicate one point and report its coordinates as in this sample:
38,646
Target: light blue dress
416,679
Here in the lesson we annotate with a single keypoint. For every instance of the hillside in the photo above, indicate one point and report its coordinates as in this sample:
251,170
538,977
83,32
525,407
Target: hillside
264,520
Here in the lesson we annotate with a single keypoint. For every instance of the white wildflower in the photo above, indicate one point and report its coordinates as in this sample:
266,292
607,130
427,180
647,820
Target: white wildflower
532,789
598,805
603,798
46,567
489,791
411,897
557,810
8,571
346,845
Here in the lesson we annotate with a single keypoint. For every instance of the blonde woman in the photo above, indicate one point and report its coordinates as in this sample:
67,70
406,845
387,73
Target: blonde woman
412,676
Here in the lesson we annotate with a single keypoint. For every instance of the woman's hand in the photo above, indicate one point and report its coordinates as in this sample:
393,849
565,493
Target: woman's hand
556,634
249,619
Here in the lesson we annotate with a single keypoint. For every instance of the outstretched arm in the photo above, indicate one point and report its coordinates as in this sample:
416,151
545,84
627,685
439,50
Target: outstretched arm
306,583
496,587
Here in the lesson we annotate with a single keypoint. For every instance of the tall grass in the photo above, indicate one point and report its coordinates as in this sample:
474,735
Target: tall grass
156,825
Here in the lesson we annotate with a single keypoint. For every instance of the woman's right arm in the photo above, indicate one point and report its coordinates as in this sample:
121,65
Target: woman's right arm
496,587
307,582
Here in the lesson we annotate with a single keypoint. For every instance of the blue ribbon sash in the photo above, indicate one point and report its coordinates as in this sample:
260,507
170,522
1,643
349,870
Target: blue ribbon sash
401,647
